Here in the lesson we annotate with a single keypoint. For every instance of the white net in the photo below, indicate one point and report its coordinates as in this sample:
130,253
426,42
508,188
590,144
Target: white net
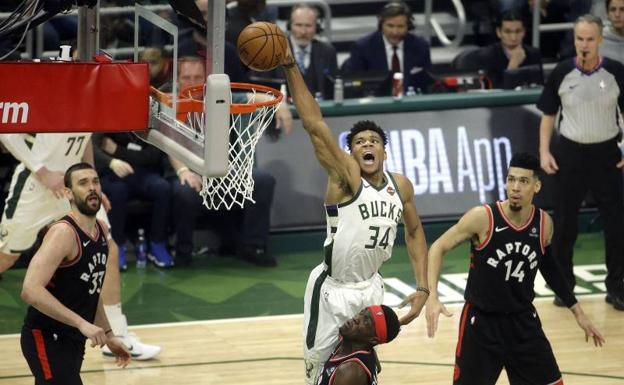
236,187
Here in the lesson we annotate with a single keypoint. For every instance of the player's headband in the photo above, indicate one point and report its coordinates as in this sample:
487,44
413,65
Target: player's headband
380,323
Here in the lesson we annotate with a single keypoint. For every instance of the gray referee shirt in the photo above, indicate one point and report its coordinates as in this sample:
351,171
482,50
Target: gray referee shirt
589,101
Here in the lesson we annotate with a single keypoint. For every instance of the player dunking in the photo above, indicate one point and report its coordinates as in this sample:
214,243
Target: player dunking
499,326
353,361
63,285
363,206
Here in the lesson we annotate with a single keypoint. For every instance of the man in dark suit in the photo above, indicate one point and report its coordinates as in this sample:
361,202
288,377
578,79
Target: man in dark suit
315,58
393,48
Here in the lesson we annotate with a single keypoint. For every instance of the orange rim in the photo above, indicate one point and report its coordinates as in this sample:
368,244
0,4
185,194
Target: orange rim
190,99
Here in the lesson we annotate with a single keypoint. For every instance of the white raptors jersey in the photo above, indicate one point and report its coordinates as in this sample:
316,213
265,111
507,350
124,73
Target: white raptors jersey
361,232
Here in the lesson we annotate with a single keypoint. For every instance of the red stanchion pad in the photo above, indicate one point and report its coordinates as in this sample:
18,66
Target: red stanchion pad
73,97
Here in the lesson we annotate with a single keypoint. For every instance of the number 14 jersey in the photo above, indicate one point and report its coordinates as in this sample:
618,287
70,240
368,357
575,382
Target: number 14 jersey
503,267
361,232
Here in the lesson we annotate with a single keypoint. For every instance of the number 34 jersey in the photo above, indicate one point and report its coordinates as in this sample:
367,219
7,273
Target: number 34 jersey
503,267
361,232
77,282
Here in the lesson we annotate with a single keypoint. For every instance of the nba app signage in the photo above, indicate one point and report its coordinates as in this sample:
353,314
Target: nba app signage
455,159
422,155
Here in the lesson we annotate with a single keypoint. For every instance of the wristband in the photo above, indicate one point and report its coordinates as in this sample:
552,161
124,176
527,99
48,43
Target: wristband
423,289
181,170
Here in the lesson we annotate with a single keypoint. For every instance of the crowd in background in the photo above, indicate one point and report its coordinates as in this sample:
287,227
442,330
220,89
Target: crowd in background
131,169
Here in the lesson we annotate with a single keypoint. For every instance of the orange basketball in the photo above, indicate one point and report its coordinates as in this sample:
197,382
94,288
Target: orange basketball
262,46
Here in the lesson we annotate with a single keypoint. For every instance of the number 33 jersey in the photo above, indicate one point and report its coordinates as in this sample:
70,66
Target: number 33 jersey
503,267
361,232
77,282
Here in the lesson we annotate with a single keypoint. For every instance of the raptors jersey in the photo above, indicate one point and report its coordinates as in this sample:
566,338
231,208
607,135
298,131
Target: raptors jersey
76,283
361,232
364,358
503,267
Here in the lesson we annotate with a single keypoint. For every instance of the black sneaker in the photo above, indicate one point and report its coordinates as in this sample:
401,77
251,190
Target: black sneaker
617,302
558,301
258,256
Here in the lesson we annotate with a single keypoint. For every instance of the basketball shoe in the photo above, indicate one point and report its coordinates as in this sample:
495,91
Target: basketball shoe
159,255
138,350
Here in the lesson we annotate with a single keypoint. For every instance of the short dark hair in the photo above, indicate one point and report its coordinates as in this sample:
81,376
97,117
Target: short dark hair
393,326
607,4
525,160
75,167
365,125
510,15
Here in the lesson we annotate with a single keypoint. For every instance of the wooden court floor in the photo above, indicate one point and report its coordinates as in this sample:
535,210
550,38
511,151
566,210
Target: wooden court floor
267,350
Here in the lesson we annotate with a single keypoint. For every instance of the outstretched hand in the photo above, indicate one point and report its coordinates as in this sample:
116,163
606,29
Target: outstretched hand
590,330
434,308
417,301
119,350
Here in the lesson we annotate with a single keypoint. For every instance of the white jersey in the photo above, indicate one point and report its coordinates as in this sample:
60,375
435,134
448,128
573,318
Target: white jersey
55,151
361,232
30,205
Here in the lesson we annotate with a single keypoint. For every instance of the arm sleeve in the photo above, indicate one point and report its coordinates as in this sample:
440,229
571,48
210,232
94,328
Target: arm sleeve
17,145
552,274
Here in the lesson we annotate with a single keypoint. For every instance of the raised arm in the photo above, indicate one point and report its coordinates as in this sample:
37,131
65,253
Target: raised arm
338,164
58,244
416,248
474,224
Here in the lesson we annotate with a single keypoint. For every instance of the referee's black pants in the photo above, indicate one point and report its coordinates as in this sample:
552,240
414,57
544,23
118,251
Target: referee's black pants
584,167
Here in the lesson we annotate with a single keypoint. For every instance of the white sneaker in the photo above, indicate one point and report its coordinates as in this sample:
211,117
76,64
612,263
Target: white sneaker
138,350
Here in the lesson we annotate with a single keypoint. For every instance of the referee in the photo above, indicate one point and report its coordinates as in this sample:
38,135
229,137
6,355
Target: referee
588,90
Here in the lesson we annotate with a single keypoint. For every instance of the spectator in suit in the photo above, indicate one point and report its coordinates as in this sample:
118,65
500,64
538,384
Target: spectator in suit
393,48
509,52
244,232
315,58
613,43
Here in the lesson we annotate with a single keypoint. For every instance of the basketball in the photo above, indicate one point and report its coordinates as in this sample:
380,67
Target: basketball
262,46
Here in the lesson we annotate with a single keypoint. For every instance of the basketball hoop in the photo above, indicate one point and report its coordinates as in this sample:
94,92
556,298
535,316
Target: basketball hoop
247,123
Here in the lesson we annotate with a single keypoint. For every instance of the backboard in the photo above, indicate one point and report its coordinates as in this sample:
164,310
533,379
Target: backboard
184,52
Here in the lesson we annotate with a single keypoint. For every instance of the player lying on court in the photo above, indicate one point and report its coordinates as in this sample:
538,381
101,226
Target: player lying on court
63,284
353,361
364,205
499,326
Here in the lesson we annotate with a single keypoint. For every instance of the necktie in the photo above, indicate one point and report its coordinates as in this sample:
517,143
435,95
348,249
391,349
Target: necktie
396,66
301,59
